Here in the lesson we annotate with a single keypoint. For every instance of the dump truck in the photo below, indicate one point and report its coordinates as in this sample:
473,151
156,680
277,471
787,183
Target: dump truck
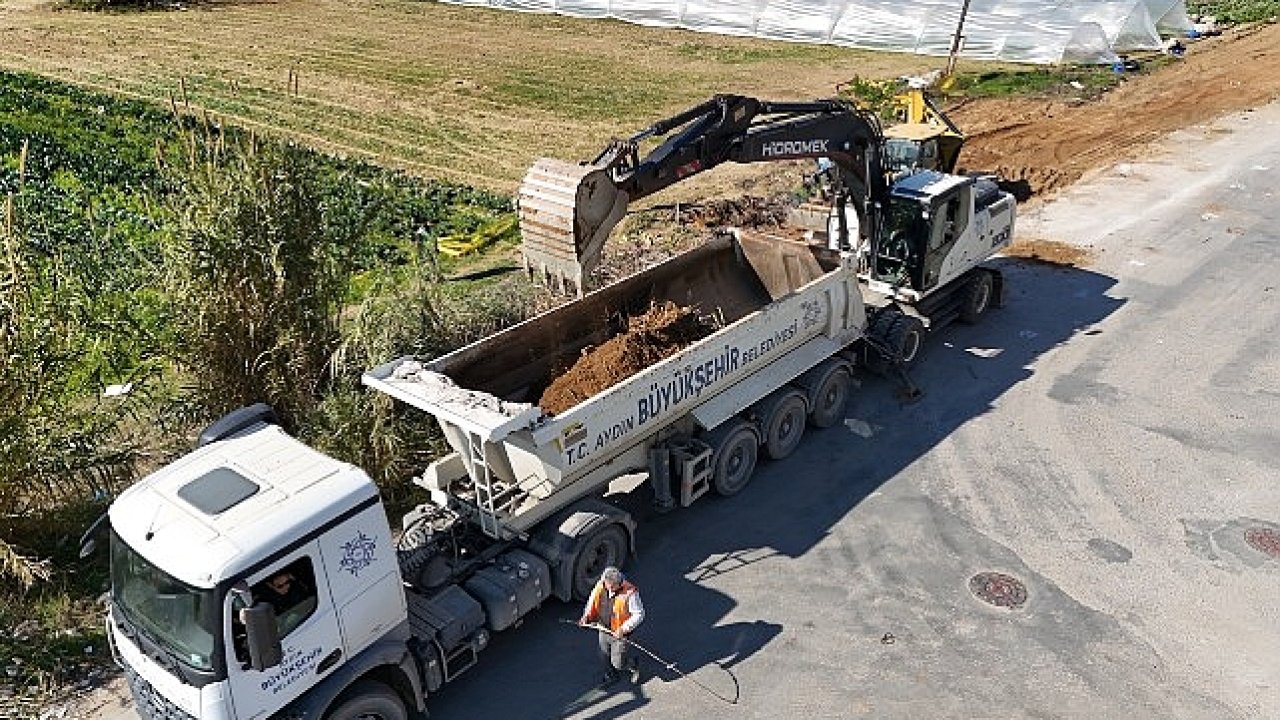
258,577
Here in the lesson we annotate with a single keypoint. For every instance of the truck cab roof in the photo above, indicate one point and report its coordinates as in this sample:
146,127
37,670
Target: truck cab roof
223,508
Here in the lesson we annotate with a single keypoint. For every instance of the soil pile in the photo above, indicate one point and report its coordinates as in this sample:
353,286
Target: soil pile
660,332
747,211
1048,144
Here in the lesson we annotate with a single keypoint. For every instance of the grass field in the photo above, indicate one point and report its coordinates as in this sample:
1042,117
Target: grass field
465,94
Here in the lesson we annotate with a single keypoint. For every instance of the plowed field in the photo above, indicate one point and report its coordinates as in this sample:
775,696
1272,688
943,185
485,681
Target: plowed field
475,95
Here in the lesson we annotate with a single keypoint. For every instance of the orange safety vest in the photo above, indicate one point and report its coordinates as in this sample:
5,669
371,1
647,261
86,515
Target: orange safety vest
620,611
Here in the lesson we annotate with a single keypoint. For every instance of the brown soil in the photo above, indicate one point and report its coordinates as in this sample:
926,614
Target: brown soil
1052,143
1050,252
663,330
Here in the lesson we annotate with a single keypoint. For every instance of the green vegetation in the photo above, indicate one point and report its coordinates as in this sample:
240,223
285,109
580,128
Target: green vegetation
1236,11
157,271
1085,82
1078,81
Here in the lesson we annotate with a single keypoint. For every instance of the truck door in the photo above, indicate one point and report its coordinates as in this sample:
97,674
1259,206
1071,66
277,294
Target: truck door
296,585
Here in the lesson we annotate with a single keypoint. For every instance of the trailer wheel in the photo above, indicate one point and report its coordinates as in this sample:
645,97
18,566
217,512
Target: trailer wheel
977,297
736,455
602,548
369,700
784,427
830,399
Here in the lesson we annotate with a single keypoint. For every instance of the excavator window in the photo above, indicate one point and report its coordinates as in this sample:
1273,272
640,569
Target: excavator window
953,219
903,154
905,231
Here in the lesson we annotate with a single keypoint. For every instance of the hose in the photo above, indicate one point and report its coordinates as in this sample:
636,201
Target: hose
737,692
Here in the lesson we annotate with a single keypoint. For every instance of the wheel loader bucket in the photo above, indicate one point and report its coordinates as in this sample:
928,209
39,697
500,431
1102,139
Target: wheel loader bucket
566,213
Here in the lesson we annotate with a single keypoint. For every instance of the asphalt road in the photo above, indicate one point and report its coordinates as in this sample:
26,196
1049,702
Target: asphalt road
1110,440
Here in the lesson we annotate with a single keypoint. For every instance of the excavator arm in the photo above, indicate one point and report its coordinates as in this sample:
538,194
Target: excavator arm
568,211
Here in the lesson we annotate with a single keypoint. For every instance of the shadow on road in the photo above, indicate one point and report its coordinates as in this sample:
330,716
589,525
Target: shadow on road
548,669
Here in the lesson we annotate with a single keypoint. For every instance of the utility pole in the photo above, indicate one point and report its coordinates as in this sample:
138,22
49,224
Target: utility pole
956,41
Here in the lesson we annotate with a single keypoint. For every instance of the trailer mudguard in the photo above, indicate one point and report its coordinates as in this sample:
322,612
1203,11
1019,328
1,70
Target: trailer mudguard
387,660
556,538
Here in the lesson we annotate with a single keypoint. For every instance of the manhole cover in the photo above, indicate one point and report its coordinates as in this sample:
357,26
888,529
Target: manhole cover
1264,540
998,589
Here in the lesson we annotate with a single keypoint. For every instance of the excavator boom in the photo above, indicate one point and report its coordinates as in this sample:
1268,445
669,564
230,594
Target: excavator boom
567,211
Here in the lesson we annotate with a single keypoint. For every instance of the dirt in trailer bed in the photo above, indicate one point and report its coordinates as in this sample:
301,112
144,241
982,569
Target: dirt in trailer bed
659,332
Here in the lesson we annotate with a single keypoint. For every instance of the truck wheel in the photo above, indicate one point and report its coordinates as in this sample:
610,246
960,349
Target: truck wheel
830,399
369,700
784,427
735,460
977,297
602,548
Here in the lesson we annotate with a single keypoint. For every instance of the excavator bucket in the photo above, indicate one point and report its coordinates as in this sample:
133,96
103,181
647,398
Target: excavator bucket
567,211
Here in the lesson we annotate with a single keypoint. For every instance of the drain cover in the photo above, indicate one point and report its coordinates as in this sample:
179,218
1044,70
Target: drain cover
998,589
1264,540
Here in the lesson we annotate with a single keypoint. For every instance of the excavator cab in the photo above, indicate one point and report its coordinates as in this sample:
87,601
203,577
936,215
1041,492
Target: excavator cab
906,233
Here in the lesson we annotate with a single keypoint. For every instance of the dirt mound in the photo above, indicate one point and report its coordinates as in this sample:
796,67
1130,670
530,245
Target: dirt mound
661,331
1049,144
748,211
1049,252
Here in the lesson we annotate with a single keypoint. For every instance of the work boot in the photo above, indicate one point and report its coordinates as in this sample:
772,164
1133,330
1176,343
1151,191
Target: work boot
633,670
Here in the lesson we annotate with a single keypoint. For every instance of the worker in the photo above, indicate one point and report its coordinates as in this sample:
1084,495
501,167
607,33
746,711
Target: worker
286,592
614,606
291,599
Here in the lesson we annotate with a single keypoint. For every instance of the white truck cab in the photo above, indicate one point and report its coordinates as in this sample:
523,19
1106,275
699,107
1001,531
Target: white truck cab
201,539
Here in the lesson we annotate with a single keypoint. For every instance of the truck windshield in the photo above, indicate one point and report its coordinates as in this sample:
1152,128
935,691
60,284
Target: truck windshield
179,617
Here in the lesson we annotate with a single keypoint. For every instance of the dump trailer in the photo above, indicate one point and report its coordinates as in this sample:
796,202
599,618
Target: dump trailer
370,626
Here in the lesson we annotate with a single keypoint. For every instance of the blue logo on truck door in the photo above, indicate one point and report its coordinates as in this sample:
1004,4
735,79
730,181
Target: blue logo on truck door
295,664
358,554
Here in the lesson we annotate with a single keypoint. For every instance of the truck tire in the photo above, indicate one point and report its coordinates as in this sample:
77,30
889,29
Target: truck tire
976,298
602,548
369,700
784,425
735,459
830,398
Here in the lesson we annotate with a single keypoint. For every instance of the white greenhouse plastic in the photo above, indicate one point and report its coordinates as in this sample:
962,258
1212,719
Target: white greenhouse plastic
1032,31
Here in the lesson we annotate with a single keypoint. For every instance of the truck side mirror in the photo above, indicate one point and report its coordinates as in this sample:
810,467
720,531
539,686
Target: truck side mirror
89,540
261,636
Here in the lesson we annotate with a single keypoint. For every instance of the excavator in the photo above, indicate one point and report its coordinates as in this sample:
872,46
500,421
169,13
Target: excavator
925,137
917,234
